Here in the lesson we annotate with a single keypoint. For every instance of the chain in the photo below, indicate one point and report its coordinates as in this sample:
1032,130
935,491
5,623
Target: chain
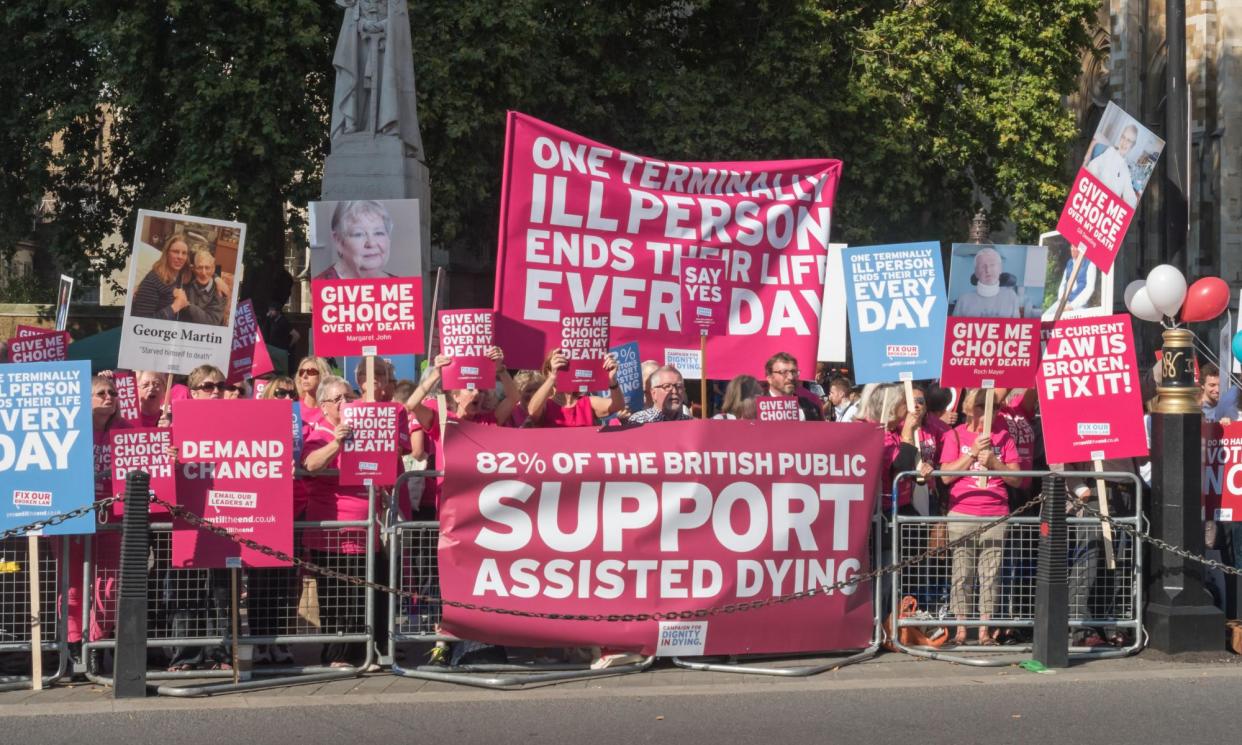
729,608
39,525
1162,544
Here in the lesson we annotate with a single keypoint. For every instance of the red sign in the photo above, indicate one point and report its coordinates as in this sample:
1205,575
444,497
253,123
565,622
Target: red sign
703,306
355,317
144,449
126,395
369,454
778,408
679,516
990,352
52,346
249,357
1089,398
466,336
1096,219
1222,471
235,469
584,340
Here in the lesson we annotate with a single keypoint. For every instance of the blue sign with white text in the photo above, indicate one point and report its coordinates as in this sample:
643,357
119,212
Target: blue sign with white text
46,455
897,309
630,375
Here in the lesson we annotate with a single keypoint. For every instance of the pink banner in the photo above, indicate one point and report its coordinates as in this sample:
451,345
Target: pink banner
1222,471
588,228
584,340
355,317
666,518
1096,219
466,336
703,307
249,357
126,384
990,352
144,449
1089,397
25,332
778,408
369,454
235,469
49,347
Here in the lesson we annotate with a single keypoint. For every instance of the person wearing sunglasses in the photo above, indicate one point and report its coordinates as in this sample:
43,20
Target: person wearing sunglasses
311,372
668,398
280,388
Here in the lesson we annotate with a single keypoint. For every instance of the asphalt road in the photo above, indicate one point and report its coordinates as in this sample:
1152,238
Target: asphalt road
1175,708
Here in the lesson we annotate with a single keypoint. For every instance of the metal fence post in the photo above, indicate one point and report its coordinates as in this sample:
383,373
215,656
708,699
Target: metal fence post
1051,644
131,619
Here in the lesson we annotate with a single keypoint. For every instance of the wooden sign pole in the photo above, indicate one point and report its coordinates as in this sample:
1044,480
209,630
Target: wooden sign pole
703,374
36,622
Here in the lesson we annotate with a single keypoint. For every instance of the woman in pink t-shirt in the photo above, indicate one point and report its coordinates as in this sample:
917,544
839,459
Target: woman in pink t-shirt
976,445
550,407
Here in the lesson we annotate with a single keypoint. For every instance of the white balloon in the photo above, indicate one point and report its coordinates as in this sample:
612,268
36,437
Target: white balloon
1132,288
1166,288
1141,306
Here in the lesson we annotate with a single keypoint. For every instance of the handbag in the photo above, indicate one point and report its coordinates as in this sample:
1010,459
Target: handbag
912,636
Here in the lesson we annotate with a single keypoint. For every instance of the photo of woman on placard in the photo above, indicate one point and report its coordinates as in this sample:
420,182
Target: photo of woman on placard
161,294
361,239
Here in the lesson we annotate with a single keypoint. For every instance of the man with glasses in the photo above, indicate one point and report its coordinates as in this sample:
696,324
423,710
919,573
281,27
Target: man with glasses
782,373
668,397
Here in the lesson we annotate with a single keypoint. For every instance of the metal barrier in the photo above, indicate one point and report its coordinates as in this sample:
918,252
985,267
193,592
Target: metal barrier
1099,597
189,609
413,567
15,617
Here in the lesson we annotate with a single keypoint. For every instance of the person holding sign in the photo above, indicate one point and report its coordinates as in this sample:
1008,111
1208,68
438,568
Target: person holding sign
886,406
552,408
161,293
976,445
782,375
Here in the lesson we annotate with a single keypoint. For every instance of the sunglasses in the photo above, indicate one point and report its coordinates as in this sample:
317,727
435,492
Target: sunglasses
307,372
213,387
105,394
284,393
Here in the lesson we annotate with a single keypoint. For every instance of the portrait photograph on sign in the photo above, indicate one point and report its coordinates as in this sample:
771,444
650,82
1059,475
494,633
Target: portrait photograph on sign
1090,293
360,239
996,281
1122,154
183,276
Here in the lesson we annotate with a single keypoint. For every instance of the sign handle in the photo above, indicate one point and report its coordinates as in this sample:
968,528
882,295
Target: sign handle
988,413
370,387
703,374
432,325
36,623
1105,525
918,432
1073,281
236,618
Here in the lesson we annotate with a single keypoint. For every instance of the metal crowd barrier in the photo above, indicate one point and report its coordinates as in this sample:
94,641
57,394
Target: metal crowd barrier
15,618
1099,597
190,608
414,568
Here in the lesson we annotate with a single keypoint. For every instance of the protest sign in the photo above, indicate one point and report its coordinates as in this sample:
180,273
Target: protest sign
466,336
897,309
703,307
588,228
1089,398
584,340
63,295
1222,471
51,346
260,385
369,454
354,315
234,469
1087,291
249,357
833,320
630,375
126,384
687,361
1107,189
46,453
26,332
183,278
144,449
681,517
990,353
778,409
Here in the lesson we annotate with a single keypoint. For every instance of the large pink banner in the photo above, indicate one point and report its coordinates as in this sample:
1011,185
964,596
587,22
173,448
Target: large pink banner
1089,398
588,228
235,468
670,517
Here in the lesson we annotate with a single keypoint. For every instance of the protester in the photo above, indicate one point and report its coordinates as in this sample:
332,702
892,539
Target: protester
840,407
151,395
550,407
274,324
668,398
385,380
1217,408
976,445
527,382
208,295
887,406
280,387
161,294
361,236
739,399
648,368
311,372
781,370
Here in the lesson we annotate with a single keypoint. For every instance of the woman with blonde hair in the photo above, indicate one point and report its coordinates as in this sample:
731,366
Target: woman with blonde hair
161,294
550,407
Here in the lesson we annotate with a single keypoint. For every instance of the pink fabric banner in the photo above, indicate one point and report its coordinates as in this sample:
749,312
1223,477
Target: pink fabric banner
990,352
466,336
703,306
355,317
588,228
249,357
1089,398
369,454
144,449
670,517
235,469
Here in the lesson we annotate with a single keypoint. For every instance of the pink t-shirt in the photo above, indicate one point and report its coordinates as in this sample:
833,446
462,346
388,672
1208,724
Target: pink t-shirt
965,496
581,414
431,492
1022,430
326,499
928,450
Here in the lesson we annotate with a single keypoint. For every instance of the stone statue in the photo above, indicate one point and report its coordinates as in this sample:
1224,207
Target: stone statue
375,91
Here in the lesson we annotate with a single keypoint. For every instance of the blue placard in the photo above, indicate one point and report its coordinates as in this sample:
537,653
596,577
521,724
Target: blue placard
297,433
630,375
46,455
897,310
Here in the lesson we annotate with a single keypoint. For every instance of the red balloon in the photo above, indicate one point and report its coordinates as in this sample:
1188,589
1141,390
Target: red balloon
1205,300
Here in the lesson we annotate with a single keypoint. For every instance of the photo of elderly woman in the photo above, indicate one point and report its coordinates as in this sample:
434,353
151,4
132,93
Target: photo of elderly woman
366,239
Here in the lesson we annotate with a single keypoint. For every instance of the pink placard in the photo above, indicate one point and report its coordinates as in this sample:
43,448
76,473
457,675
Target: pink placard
1096,219
235,469
586,522
1089,398
777,408
249,357
1222,471
703,306
48,347
353,316
25,332
144,449
369,454
466,336
126,384
584,340
588,228
990,352
260,385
